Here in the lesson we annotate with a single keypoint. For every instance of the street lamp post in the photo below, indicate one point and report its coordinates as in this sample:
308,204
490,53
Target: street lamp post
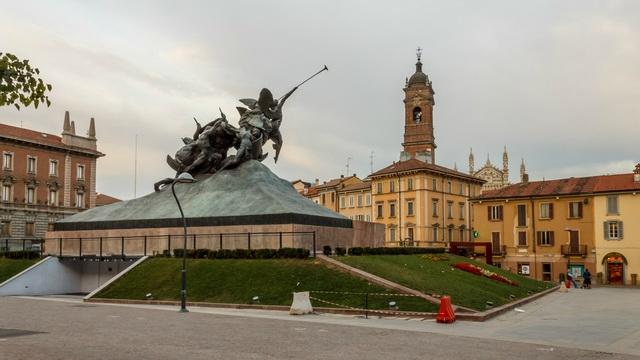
183,178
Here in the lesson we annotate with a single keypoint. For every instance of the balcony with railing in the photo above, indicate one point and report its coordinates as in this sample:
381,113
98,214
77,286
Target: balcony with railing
574,250
499,251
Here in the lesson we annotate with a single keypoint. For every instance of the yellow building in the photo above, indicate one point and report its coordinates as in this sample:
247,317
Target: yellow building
326,194
422,204
617,228
355,201
544,228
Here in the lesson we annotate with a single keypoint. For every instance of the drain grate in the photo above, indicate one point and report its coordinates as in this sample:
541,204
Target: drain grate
7,333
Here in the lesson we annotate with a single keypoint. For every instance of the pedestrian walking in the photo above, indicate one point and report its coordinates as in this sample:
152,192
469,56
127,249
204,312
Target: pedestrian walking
587,279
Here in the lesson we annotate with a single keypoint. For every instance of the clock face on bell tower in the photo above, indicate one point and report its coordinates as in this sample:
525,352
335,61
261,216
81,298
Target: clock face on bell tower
418,130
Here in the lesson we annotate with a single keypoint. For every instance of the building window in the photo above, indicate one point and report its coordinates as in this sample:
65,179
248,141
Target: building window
359,200
379,188
613,230
53,197
410,208
342,202
461,188
546,211
462,208
6,228
434,184
410,184
472,190
449,186
546,271
379,211
28,229
523,269
80,200
31,164
367,217
350,200
435,233
522,215
80,172
7,161
6,192
323,199
462,235
612,205
450,231
495,212
392,234
367,199
575,210
31,195
392,210
450,209
333,198
410,233
495,242
53,168
522,238
434,207
545,238
392,186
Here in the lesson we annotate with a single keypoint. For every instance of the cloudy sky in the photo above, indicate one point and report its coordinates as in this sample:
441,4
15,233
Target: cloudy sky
554,81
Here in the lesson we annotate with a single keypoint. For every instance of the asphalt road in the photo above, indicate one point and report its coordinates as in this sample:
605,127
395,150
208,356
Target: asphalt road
67,329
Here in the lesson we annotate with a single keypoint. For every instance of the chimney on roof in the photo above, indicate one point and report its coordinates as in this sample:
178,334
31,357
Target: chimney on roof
636,173
92,129
317,182
341,176
73,128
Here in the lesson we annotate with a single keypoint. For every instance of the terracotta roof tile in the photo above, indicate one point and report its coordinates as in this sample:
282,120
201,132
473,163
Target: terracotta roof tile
415,164
358,186
567,186
102,199
26,134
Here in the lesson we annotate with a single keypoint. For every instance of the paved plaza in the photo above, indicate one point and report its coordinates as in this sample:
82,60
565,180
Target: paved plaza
601,323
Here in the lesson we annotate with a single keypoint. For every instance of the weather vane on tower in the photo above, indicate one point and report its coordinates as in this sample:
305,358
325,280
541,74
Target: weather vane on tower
419,52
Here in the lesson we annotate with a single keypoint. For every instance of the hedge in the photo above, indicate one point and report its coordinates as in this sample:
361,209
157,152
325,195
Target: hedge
357,251
284,253
26,254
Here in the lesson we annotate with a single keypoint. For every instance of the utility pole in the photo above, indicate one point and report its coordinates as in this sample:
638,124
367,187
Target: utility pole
371,161
135,167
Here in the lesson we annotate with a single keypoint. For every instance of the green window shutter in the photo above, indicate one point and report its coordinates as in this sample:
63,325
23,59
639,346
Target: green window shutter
606,230
620,230
551,238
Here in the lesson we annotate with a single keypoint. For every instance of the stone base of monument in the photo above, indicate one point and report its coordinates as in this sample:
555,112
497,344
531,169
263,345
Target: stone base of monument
246,207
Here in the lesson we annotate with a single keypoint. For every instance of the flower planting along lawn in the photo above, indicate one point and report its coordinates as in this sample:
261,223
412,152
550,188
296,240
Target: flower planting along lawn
237,281
11,267
434,274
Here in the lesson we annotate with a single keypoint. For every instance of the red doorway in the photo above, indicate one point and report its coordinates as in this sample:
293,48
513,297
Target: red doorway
614,264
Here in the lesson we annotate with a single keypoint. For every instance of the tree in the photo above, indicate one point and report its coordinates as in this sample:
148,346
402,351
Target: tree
19,84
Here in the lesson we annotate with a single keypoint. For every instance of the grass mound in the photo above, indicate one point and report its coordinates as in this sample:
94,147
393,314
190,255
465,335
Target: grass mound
11,267
237,281
434,274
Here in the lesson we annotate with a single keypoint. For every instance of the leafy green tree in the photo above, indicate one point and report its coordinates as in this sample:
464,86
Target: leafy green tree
19,83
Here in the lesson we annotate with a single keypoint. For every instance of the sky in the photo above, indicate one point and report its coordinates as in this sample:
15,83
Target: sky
556,82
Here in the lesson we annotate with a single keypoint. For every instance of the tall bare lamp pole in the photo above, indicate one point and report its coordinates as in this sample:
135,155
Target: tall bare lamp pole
183,178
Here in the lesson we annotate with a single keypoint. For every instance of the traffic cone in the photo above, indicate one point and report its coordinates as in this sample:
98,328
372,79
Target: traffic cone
446,314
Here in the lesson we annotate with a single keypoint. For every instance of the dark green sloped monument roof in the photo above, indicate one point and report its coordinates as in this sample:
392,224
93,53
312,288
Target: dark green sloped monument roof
247,195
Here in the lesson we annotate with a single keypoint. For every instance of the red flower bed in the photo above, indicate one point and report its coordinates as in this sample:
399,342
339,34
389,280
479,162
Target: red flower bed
476,270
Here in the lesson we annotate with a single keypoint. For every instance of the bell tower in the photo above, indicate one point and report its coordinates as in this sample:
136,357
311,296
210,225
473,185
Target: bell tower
419,142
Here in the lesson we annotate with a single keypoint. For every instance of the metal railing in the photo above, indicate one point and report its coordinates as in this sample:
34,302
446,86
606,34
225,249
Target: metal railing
499,251
135,246
10,244
574,250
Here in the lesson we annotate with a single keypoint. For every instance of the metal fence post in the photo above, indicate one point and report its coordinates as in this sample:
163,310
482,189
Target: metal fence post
80,248
194,242
145,246
122,246
249,241
169,244
24,247
280,240
220,242
60,246
101,248
314,244
366,305
6,244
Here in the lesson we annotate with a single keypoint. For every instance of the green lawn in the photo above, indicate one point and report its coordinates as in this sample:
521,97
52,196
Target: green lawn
238,281
11,267
439,277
